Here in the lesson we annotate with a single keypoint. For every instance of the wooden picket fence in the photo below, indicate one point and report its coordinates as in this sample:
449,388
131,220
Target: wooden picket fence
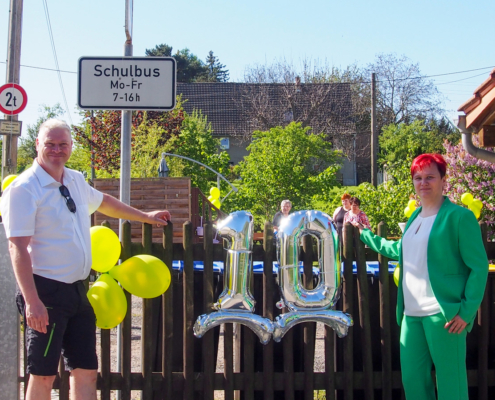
363,365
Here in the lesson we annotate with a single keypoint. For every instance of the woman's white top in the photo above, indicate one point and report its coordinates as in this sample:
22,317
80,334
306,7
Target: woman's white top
419,300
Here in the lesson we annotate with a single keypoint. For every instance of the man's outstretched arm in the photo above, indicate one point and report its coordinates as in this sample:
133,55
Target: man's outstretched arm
112,207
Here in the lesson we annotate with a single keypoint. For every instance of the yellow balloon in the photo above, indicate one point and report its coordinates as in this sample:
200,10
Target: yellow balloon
474,208
143,275
408,212
412,204
217,203
397,275
108,301
214,193
467,198
7,181
476,204
105,248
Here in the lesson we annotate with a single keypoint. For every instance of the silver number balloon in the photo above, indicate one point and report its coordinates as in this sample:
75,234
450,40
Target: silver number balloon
315,304
236,303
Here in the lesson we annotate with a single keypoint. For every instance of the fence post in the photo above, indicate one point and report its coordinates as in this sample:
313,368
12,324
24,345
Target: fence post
208,345
105,356
125,349
9,328
364,316
386,339
348,307
168,315
188,309
148,336
268,288
483,335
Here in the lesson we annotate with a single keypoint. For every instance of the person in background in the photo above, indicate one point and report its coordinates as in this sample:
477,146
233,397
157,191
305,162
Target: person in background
443,274
339,213
356,215
46,213
285,208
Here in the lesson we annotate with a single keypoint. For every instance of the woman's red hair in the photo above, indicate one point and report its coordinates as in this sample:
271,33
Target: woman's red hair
425,160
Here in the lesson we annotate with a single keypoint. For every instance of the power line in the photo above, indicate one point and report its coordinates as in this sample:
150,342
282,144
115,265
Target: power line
393,80
45,4
464,79
46,69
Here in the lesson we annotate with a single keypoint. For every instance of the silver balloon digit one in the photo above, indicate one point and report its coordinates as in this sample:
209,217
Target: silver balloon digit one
236,303
316,304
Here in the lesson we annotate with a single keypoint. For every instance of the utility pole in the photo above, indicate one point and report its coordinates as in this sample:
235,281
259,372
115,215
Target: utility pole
374,133
9,151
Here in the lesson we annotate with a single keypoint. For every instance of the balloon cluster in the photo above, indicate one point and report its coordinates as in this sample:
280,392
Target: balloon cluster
6,182
475,205
214,197
143,275
411,207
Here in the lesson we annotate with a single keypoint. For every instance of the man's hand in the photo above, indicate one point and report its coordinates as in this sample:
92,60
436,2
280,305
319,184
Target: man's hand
37,315
158,217
456,325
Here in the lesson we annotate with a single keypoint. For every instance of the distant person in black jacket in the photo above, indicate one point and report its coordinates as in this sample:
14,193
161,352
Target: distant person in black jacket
338,215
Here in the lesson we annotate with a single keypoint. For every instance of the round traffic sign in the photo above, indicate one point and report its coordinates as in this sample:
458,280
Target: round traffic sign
13,98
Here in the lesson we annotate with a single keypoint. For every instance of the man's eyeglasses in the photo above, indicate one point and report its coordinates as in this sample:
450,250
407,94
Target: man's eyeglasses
69,201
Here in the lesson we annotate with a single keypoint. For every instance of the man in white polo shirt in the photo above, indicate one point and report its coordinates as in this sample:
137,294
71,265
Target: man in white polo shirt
46,212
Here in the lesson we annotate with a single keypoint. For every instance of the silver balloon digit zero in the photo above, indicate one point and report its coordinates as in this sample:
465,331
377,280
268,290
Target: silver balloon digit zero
315,304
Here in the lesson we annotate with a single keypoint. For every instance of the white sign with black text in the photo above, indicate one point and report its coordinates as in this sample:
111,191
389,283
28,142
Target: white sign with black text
127,83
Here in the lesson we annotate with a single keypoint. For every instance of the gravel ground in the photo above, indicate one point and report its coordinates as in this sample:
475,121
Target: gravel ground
136,310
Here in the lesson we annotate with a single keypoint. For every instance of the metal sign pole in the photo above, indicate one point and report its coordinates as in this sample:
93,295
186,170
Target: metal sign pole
125,160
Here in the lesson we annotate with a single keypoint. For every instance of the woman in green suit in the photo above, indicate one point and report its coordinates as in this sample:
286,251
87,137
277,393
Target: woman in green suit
441,285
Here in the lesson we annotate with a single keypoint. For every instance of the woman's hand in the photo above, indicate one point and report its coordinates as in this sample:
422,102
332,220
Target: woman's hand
357,225
456,325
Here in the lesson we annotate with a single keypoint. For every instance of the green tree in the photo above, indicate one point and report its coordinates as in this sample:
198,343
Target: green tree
215,71
189,67
26,152
196,141
400,141
284,163
387,201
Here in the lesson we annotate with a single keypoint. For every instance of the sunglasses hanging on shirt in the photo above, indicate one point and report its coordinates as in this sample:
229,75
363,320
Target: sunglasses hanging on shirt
71,205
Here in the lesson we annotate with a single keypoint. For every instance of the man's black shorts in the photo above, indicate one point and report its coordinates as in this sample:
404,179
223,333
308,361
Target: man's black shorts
71,329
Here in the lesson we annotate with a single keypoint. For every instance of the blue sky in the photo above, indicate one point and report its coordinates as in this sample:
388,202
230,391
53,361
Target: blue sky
442,36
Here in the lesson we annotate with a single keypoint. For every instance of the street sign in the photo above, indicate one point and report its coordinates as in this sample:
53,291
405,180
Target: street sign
127,83
10,127
13,98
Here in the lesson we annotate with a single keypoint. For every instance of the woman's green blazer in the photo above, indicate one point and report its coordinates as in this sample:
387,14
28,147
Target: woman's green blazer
457,261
